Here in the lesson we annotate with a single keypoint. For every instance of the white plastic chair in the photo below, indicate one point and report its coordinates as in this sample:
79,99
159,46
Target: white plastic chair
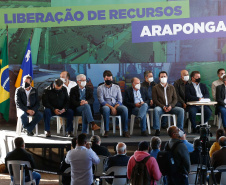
99,168
15,166
132,119
75,125
3,149
118,170
113,122
169,120
223,174
60,122
19,125
189,122
152,115
219,121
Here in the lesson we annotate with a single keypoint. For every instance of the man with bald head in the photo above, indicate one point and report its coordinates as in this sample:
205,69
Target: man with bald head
137,101
180,88
218,157
120,159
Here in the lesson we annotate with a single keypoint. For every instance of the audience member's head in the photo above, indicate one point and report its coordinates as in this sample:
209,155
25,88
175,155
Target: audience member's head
163,77
143,146
222,141
195,76
220,73
27,79
135,83
19,142
148,76
73,142
82,140
108,77
220,132
65,76
155,143
95,140
184,75
173,132
197,144
58,83
81,80
121,148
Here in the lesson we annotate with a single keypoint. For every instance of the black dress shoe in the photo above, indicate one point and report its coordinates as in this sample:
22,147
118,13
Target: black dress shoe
144,133
157,133
164,126
30,133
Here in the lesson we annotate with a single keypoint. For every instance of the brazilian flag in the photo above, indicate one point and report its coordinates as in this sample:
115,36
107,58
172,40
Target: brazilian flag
4,82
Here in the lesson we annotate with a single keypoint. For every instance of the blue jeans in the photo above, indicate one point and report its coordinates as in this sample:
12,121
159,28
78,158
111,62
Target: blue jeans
158,111
141,113
35,175
30,126
69,114
192,110
223,115
87,117
121,110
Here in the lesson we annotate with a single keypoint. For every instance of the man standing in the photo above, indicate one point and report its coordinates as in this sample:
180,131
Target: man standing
195,92
56,102
180,155
81,160
165,97
137,101
27,104
121,159
149,84
110,99
180,88
20,154
220,74
81,98
67,83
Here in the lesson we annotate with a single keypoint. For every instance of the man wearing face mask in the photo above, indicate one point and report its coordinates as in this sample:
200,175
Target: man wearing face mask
180,155
67,83
137,101
110,99
220,74
81,98
56,102
180,88
149,84
27,104
195,92
165,98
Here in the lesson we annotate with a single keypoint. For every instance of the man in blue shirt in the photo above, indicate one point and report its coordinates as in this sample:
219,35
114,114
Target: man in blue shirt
188,145
110,99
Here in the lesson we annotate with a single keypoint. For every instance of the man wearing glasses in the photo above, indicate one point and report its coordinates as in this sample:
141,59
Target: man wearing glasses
81,98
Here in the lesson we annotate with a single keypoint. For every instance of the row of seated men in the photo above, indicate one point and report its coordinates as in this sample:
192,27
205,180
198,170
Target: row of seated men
84,155
66,98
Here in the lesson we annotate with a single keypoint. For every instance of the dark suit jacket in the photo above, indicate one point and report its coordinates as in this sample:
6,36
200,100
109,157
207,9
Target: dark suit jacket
75,97
20,154
190,93
100,150
128,99
219,159
116,160
220,94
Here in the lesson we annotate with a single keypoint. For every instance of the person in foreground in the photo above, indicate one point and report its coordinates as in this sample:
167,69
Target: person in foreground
151,164
81,160
20,154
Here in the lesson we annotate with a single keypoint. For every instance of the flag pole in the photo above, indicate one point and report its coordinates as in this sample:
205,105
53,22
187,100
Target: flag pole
7,35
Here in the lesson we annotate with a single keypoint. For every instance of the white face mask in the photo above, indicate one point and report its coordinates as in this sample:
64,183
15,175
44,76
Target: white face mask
222,76
151,79
63,79
163,80
137,86
186,78
83,83
181,133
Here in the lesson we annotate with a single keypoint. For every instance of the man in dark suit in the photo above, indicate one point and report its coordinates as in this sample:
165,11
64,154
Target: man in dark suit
121,159
81,98
99,150
195,91
20,154
218,157
137,101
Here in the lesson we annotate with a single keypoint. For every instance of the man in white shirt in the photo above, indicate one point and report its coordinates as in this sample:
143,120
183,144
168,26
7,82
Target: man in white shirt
220,74
81,160
67,83
27,104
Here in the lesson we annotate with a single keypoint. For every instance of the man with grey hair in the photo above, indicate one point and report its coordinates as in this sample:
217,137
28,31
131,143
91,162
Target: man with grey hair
67,83
27,104
155,146
218,157
81,98
120,159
